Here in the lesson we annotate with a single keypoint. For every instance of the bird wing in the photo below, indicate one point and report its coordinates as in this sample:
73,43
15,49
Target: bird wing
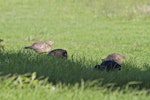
39,45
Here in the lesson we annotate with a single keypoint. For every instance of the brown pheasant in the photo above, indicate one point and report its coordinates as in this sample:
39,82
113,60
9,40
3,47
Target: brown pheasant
115,57
41,47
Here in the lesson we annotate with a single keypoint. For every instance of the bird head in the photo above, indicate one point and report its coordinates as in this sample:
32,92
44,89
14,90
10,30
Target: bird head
50,42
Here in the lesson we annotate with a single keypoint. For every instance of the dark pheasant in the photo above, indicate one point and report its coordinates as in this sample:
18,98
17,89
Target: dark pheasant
1,46
108,65
41,47
111,62
1,40
58,53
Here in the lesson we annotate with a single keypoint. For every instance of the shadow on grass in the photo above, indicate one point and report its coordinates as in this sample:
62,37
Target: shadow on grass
72,71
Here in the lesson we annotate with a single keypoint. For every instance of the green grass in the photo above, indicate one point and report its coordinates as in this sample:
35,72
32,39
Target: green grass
89,30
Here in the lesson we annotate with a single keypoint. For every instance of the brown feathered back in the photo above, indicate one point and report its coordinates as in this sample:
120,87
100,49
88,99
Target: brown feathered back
115,57
41,47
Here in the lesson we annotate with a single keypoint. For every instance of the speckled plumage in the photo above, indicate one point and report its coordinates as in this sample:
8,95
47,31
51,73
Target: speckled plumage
119,58
41,47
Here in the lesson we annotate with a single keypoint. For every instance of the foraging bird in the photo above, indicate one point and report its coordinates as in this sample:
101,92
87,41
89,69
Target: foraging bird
1,40
108,65
58,53
41,47
111,62
115,57
1,46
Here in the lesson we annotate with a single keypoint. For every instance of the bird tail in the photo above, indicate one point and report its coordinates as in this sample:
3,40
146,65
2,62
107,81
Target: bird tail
28,47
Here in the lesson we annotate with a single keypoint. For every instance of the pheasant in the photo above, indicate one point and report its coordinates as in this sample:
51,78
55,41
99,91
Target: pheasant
115,57
58,53
108,65
1,46
111,62
1,40
41,47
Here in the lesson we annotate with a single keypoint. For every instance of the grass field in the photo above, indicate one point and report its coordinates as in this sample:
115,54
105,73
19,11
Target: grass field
89,30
